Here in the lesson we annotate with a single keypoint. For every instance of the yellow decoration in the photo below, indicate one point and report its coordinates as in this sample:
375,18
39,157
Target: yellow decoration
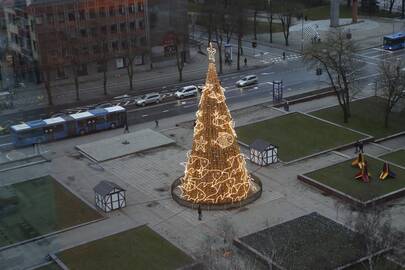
216,170
224,140
200,144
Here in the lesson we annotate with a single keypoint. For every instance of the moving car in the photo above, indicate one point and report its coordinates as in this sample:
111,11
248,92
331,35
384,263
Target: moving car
186,91
247,80
149,99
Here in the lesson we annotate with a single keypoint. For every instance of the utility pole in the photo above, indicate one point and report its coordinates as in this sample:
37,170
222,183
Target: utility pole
403,9
302,32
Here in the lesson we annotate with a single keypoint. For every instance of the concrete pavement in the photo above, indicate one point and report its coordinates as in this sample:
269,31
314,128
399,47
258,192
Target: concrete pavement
147,178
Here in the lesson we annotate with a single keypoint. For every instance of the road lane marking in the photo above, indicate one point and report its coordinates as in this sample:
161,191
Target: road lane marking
145,115
165,111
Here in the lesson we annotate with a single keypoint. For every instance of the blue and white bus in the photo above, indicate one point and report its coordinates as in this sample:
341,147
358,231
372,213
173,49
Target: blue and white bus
394,41
41,131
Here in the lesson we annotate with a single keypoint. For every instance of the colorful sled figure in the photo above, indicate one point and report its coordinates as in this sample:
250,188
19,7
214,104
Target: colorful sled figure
359,161
363,175
386,172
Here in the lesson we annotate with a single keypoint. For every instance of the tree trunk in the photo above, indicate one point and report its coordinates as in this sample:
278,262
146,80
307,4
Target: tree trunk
349,2
76,78
239,48
130,70
345,115
105,81
48,88
255,25
403,9
220,56
209,28
271,29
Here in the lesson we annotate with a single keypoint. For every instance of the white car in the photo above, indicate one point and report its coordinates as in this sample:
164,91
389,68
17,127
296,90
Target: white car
186,91
149,99
247,80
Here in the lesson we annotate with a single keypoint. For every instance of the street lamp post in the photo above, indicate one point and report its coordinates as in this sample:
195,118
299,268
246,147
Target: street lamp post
302,32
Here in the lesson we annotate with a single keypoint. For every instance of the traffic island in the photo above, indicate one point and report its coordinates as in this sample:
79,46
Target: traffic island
299,136
138,248
339,180
38,207
305,243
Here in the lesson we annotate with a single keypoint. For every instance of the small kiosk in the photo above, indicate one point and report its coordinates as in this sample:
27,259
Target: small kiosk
109,196
263,153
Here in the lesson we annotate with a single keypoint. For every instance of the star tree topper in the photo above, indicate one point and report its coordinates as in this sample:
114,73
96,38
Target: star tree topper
211,53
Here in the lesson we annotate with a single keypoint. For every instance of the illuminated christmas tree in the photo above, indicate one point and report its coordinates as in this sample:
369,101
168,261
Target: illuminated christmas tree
216,170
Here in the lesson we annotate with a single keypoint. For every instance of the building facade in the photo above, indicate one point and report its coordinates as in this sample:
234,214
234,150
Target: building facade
80,37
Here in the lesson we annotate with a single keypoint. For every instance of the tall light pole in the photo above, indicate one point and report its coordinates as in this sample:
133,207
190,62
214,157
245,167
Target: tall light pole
302,32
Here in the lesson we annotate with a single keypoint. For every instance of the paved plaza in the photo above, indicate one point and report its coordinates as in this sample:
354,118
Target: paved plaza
147,176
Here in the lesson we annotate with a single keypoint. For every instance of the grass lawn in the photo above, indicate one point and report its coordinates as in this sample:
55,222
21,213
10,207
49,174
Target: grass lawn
341,177
139,248
323,12
397,157
297,135
367,117
307,243
37,207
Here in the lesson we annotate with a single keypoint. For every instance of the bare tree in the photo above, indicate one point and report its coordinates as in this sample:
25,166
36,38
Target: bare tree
390,5
223,26
217,252
392,86
75,57
336,55
373,227
179,47
270,17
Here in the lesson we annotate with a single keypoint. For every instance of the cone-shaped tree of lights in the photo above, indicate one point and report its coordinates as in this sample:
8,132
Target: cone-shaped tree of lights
216,170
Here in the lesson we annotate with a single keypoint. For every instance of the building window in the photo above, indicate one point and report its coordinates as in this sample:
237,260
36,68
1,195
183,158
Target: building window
123,27
140,7
133,42
121,10
111,11
96,49
61,17
82,70
34,44
39,19
104,29
102,12
49,18
83,32
131,8
132,26
71,16
124,44
92,13
141,24
143,41
93,31
85,50
114,45
113,28
60,72
82,15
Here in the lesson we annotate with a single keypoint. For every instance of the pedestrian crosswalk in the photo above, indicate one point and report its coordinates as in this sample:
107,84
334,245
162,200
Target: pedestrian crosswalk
275,59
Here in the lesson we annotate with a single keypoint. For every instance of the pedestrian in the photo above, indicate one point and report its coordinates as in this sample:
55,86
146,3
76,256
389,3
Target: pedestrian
245,62
126,129
361,147
283,55
287,106
199,212
357,146
157,123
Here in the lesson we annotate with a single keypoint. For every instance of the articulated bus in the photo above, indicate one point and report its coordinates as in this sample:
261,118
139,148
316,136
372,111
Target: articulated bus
41,131
395,41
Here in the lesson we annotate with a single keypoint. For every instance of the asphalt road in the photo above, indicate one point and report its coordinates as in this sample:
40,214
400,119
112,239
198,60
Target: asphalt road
294,74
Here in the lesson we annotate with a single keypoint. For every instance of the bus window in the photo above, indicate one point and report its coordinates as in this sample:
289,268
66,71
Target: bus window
100,120
112,117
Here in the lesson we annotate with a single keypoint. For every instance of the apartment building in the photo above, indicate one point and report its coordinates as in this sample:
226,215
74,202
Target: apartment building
66,36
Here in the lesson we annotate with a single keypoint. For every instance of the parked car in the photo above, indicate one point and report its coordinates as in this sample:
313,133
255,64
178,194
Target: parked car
104,105
149,99
186,91
247,80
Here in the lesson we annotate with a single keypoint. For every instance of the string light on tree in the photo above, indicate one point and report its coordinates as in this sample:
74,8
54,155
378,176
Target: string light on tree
215,172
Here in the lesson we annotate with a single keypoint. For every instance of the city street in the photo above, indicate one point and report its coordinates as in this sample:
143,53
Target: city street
296,77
